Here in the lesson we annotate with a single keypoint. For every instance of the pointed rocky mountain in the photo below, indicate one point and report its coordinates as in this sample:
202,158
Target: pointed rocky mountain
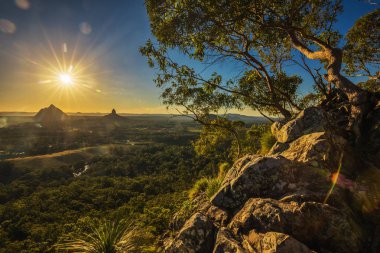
51,114
113,116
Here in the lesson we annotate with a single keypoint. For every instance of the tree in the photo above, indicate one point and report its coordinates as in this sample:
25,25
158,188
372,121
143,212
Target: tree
258,35
227,145
184,78
222,143
362,50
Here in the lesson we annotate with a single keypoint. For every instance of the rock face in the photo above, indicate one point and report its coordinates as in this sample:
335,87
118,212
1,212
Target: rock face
310,120
195,236
301,197
50,114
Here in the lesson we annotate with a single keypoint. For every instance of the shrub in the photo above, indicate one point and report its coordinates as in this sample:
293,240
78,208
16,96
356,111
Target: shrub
208,186
213,186
267,141
223,168
199,187
184,213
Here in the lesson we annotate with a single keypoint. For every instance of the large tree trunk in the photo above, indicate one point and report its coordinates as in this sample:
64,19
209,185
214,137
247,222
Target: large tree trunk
334,57
361,100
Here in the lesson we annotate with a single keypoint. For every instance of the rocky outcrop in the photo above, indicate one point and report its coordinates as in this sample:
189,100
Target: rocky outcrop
308,221
310,120
303,196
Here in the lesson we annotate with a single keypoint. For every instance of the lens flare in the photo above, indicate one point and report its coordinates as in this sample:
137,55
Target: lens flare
334,179
65,79
7,26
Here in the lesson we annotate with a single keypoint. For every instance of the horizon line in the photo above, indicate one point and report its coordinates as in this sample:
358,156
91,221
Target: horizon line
129,113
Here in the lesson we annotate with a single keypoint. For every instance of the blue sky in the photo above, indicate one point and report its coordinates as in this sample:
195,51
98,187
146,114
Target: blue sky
105,36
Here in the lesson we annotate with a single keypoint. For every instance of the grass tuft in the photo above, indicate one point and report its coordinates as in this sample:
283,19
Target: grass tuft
106,237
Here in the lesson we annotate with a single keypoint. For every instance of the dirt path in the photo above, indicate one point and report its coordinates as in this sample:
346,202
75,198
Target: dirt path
67,157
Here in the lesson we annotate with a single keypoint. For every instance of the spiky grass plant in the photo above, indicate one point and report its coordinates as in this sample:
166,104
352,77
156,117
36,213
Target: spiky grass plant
104,237
208,186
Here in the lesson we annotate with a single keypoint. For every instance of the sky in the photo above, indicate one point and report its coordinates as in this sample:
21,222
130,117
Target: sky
82,55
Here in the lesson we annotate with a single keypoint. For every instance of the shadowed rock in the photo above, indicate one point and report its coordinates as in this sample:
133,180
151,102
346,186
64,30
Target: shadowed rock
195,236
309,222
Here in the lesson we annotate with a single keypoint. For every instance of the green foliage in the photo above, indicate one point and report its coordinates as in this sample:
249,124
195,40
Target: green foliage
222,169
362,54
311,99
103,237
186,209
286,86
198,27
213,186
260,37
220,140
209,186
6,169
200,186
371,85
223,146
267,141
39,206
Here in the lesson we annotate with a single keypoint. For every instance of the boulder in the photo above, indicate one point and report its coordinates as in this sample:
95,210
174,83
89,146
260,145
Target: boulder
218,216
225,242
317,148
195,236
269,177
273,242
316,224
308,121
200,203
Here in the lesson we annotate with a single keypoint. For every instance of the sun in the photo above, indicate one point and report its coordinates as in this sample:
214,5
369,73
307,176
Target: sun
69,73
65,79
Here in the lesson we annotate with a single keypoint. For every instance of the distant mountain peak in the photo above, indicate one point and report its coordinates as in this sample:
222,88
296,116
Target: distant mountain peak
113,115
50,114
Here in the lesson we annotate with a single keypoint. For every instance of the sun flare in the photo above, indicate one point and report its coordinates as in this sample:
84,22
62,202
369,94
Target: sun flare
68,71
65,79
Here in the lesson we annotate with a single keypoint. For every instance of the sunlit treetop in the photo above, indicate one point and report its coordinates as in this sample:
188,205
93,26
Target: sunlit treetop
263,28
362,50
261,37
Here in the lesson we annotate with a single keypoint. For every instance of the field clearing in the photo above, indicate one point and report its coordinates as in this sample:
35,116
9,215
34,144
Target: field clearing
67,157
